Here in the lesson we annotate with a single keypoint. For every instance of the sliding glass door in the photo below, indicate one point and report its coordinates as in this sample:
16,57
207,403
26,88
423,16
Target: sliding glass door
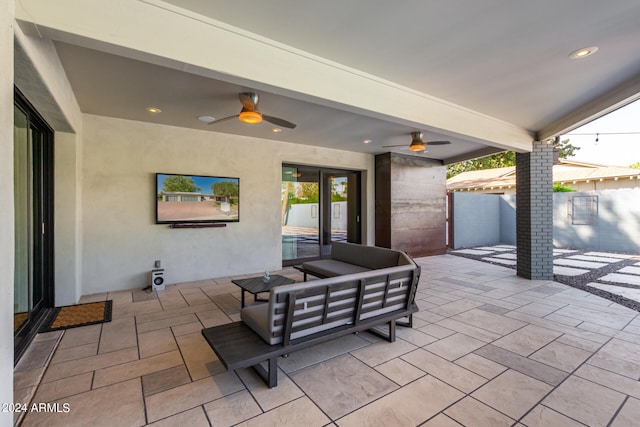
319,206
33,204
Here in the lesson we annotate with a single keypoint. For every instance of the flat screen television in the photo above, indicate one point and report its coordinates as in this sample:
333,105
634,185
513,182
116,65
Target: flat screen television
182,199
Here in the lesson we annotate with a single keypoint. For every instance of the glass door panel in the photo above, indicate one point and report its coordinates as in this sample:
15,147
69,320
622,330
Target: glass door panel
343,219
319,206
23,221
300,212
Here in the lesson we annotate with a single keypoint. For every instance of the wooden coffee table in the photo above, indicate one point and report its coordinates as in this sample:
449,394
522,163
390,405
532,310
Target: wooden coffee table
255,285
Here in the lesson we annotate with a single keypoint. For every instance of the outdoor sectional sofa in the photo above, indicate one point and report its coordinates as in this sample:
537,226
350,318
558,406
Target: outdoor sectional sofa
304,314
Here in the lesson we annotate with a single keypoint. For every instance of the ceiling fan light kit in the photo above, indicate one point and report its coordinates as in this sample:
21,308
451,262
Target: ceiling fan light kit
251,117
417,146
251,114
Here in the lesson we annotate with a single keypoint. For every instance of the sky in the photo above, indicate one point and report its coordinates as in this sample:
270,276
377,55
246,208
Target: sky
204,182
618,150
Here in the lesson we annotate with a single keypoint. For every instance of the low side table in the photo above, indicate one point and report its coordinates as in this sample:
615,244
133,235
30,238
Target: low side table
255,285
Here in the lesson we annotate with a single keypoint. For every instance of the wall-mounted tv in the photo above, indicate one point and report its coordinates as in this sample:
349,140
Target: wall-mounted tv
196,199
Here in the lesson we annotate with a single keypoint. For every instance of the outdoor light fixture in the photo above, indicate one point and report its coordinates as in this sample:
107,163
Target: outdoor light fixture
250,117
417,145
153,110
583,53
206,119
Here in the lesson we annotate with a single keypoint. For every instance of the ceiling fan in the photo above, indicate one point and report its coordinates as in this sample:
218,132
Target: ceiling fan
417,144
251,113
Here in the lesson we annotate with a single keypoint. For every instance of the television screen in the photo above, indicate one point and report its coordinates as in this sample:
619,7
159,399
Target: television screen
196,199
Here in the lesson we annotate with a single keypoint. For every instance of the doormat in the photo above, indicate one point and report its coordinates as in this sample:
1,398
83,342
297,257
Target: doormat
73,316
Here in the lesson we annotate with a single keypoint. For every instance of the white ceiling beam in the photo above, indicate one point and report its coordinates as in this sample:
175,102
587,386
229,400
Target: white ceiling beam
193,42
601,106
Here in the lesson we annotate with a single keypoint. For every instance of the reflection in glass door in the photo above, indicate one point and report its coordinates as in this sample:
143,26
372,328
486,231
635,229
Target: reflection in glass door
319,206
300,213
23,220
342,218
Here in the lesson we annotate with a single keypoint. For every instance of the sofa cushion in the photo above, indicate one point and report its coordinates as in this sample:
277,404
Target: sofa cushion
370,257
256,317
332,268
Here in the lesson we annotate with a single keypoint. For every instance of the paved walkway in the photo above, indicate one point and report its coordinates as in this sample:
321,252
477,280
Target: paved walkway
615,276
487,348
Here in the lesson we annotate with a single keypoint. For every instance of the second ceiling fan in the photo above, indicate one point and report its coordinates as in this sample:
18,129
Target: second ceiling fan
251,114
417,144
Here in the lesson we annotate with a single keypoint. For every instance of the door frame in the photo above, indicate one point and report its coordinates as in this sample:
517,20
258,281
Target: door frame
324,209
43,157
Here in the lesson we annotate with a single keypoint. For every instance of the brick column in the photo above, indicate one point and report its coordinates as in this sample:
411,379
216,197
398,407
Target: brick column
534,212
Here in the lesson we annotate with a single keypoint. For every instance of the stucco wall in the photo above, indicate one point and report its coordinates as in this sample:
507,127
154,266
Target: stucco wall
120,238
508,219
41,78
476,219
6,207
614,227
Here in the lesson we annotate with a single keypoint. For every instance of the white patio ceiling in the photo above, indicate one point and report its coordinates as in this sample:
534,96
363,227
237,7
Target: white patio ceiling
483,74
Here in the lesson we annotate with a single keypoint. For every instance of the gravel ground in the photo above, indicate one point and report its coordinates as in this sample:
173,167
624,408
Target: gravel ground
582,280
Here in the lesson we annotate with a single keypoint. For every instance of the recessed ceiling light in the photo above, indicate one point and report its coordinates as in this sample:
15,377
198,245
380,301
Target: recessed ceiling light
276,130
206,119
154,110
584,52
367,141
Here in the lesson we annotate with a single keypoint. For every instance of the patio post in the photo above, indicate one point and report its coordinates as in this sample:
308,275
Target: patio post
534,212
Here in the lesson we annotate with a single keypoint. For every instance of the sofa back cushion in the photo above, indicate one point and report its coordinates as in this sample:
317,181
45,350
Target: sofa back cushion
371,257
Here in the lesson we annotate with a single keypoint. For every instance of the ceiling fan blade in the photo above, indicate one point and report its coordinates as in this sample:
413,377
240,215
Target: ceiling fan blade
438,142
223,119
392,146
249,101
279,122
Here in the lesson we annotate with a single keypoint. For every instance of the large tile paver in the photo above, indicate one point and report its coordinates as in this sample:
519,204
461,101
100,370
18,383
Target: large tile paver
342,385
628,415
628,279
446,371
300,412
232,409
116,405
569,271
527,340
578,263
470,411
191,395
406,406
585,401
512,393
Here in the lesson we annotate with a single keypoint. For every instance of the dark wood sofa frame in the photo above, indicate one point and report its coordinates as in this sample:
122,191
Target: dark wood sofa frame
363,307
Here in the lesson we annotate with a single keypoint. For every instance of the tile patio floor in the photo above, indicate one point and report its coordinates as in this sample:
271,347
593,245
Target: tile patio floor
487,349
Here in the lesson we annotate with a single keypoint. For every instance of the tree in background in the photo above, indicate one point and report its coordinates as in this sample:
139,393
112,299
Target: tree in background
503,160
226,189
636,165
559,188
180,183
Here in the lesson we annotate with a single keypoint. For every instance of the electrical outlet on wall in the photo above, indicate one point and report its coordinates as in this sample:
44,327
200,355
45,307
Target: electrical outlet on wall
157,264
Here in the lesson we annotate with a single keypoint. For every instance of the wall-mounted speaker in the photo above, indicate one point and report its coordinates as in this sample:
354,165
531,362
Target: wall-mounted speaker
157,279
